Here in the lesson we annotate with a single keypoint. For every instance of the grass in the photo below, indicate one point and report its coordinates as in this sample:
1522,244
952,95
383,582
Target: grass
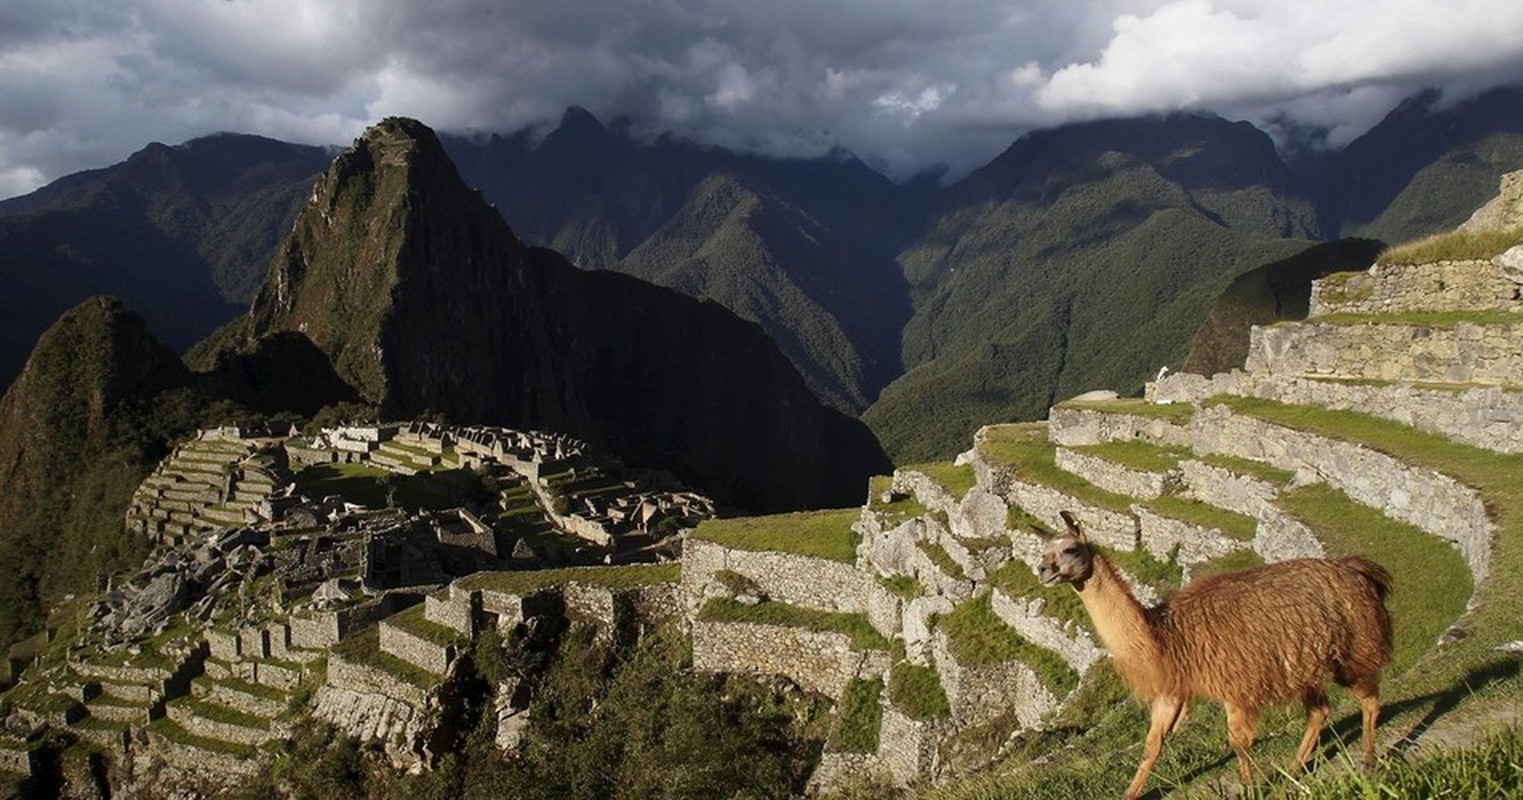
170,730
365,648
976,637
357,483
623,577
1137,455
904,587
916,691
896,511
941,558
861,717
1237,559
856,626
1453,246
1488,769
957,480
1204,515
822,534
220,713
413,621
1028,451
1142,565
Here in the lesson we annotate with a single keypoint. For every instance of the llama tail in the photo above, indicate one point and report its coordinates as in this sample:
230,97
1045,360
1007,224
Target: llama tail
1378,576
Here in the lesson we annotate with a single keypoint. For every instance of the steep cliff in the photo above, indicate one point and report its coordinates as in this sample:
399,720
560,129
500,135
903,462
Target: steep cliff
425,301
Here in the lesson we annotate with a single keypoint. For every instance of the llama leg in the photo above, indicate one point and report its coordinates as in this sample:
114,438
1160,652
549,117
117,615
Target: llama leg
1369,703
1242,726
1165,713
1315,701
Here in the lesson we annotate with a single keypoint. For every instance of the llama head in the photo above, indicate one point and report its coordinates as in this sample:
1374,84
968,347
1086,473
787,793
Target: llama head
1068,557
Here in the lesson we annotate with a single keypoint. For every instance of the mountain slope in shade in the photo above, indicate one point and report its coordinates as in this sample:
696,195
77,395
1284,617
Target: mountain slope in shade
1421,170
1082,258
802,247
425,301
77,434
182,234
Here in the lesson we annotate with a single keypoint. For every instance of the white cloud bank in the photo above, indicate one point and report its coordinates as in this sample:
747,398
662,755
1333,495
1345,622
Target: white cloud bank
906,84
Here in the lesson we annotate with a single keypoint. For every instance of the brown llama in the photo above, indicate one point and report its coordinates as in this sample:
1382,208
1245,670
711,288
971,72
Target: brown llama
1250,638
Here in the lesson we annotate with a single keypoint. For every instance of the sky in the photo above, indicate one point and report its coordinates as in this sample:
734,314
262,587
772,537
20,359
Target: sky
907,85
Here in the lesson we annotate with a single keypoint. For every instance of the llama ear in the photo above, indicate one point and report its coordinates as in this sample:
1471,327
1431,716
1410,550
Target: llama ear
1042,533
1073,526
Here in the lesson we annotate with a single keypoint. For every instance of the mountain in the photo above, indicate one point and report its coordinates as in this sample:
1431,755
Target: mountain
1421,170
802,247
182,234
79,430
1081,258
424,301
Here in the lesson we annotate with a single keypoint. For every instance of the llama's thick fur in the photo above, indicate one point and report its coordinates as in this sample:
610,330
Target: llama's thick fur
1251,638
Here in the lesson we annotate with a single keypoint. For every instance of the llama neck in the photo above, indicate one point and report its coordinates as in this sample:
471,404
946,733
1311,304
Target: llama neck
1122,624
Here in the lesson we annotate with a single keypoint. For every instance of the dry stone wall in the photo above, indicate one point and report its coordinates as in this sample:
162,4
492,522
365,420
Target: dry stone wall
1482,416
983,692
1113,477
784,577
819,661
1402,288
1465,353
1026,616
1435,503
1076,427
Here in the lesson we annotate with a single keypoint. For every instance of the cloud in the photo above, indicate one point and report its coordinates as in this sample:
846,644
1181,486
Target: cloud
903,83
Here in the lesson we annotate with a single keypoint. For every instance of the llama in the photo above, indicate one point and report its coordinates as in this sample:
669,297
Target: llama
1250,638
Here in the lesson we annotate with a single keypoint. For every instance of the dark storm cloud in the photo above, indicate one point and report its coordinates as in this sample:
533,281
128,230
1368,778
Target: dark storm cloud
904,83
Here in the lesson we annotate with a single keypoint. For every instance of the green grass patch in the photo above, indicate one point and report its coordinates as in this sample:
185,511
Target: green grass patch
1138,455
856,626
1237,559
1142,565
916,691
1454,245
521,582
1232,524
904,587
216,712
1031,455
976,636
1060,602
1135,406
1247,467
413,621
861,717
357,483
957,480
364,648
1491,768
941,558
822,534
893,512
254,689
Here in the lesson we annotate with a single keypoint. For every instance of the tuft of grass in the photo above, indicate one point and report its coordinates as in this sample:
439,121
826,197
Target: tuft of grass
1454,245
978,637
916,691
941,558
863,635
822,534
1142,565
1249,468
861,717
1488,769
902,586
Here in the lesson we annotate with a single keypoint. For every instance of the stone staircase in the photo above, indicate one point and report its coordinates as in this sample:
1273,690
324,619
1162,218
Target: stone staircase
208,482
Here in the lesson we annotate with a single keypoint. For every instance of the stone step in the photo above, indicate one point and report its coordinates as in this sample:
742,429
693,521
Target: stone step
213,720
250,698
1480,351
118,710
1132,468
201,755
1076,423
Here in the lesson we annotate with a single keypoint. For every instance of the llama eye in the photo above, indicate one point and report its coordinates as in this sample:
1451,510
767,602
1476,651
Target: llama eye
1070,551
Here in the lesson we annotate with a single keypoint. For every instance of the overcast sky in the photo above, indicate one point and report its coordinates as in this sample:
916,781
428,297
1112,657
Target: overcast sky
905,84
